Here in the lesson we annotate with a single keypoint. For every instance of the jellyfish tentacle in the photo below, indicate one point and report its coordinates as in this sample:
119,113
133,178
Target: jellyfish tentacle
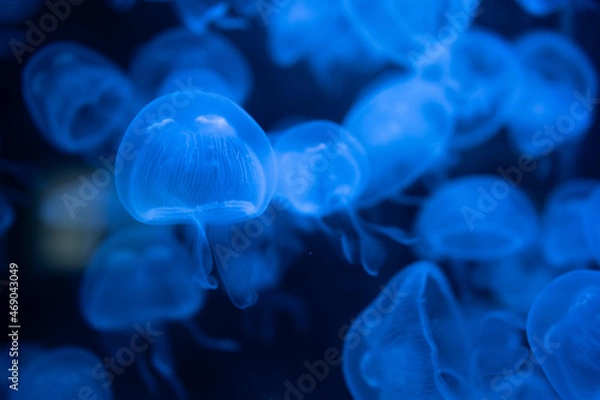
204,258
162,361
209,342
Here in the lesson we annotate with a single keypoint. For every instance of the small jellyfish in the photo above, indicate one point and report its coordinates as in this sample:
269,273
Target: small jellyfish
563,234
206,162
141,277
482,78
180,61
76,97
591,224
405,129
410,342
410,32
16,12
555,108
476,218
320,33
541,8
64,373
563,328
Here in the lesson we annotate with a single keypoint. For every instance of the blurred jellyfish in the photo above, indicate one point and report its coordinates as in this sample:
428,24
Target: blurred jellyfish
410,32
482,78
76,97
62,373
179,61
410,342
205,163
591,223
563,328
556,106
320,33
405,129
542,8
198,15
141,277
563,235
16,12
476,218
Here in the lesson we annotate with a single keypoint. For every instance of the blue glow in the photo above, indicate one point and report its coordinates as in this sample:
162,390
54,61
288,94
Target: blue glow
199,15
410,32
7,215
478,218
17,11
121,5
63,373
405,128
563,236
554,108
541,8
564,331
77,98
591,224
182,61
482,77
409,342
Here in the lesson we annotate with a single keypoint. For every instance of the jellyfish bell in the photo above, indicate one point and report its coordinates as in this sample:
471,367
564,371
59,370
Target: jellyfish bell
407,342
182,61
77,98
563,329
542,8
207,162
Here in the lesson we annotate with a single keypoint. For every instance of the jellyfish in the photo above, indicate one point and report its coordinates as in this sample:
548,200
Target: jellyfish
198,15
563,329
204,162
180,61
563,234
76,97
410,342
405,129
555,109
140,279
67,372
541,8
16,12
321,34
591,224
482,78
476,218
412,33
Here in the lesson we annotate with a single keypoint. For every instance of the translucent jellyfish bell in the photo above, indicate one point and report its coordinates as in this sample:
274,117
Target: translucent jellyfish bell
141,276
482,77
178,60
563,329
405,128
63,373
76,97
563,234
411,32
205,162
476,218
410,342
555,108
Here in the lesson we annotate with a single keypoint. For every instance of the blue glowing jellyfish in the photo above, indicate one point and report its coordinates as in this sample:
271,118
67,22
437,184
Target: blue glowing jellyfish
142,277
541,8
413,33
563,234
555,108
476,218
410,342
62,373
179,61
591,224
206,162
482,77
198,15
76,97
16,12
405,129
563,328
320,33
